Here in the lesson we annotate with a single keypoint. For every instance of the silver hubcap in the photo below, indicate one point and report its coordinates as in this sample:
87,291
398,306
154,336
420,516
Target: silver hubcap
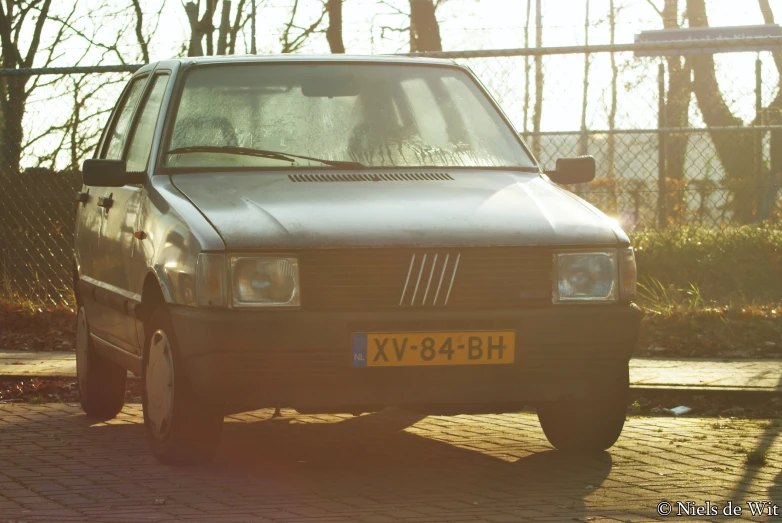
160,384
82,348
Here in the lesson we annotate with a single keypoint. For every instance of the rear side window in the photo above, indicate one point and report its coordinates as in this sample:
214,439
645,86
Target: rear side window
121,124
141,143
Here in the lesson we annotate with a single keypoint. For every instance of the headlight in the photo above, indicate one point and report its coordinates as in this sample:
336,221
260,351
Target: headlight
265,282
586,276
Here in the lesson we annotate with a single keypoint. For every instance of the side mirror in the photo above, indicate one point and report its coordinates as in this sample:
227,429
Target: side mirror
573,170
108,173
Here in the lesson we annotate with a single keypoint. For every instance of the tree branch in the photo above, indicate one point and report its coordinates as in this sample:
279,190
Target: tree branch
139,34
42,16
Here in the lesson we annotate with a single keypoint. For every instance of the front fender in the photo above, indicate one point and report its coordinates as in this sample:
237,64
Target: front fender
177,232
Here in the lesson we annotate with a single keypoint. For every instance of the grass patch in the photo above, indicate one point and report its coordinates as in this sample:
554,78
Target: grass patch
29,325
710,293
696,268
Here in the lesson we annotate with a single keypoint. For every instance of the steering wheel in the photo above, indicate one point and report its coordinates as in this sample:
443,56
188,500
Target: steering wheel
199,130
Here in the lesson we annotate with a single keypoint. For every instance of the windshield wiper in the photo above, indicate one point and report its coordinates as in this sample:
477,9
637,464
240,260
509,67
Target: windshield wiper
263,153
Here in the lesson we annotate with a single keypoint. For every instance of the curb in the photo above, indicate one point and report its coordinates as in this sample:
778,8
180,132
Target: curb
653,390
711,392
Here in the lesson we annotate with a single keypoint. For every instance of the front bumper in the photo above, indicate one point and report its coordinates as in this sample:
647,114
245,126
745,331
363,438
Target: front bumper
303,359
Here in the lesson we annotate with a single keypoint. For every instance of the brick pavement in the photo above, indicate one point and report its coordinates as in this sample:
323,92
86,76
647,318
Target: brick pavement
719,374
56,465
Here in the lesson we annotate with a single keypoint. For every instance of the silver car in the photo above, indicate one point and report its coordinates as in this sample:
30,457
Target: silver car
341,234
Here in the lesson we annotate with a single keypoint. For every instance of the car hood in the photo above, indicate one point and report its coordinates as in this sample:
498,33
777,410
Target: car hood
261,210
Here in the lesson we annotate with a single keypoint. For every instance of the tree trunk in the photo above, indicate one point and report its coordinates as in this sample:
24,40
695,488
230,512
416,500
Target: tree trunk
194,49
678,101
13,89
225,28
527,69
13,106
735,149
334,31
583,144
425,30
142,42
207,29
253,13
536,116
772,116
611,153
233,33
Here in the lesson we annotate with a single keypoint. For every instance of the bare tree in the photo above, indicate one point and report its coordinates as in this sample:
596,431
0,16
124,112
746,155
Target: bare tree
14,91
200,27
424,28
772,115
294,36
240,21
143,41
611,143
735,149
527,67
677,104
253,17
334,31
536,115
91,95
583,145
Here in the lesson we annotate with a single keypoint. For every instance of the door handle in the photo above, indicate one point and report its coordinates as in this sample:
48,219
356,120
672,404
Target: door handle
105,202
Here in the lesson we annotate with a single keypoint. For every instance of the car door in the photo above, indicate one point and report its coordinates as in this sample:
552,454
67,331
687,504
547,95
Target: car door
108,312
119,233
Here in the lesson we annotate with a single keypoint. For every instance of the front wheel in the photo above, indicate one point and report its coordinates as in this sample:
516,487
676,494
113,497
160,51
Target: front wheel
590,424
180,428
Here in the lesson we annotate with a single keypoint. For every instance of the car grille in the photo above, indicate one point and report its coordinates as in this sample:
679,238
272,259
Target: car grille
382,279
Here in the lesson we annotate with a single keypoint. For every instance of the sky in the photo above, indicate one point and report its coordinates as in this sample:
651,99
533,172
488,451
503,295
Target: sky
464,25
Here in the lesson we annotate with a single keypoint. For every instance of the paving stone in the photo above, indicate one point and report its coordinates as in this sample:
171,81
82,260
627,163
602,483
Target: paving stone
388,466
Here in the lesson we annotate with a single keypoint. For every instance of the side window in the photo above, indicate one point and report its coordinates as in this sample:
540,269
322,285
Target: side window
141,141
119,132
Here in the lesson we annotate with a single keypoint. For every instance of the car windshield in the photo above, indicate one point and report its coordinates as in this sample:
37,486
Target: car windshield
338,116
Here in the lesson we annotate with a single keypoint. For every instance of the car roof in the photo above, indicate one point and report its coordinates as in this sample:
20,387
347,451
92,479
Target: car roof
299,58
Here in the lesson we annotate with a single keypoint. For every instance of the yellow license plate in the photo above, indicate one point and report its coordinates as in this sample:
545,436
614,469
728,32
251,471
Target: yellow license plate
395,349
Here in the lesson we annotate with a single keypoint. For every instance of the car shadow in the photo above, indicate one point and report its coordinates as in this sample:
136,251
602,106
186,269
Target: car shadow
386,456
382,461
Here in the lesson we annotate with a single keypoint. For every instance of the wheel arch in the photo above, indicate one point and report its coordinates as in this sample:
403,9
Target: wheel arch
152,294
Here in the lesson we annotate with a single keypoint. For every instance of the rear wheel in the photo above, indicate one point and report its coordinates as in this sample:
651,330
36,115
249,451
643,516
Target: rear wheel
101,381
590,424
181,429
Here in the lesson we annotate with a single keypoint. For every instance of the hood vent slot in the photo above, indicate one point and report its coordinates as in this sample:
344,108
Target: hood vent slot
362,177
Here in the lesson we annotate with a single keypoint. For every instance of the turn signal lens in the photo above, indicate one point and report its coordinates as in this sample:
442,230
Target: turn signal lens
628,273
210,277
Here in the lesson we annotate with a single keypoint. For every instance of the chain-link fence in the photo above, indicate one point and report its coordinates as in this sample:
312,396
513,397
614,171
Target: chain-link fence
681,139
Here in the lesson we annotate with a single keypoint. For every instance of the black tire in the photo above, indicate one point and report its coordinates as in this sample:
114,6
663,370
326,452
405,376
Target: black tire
591,424
101,381
187,430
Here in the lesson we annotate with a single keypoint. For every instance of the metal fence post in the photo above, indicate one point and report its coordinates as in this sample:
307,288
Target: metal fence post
661,139
759,192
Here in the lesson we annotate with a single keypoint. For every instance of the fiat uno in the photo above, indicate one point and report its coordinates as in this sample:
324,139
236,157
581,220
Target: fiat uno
341,234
